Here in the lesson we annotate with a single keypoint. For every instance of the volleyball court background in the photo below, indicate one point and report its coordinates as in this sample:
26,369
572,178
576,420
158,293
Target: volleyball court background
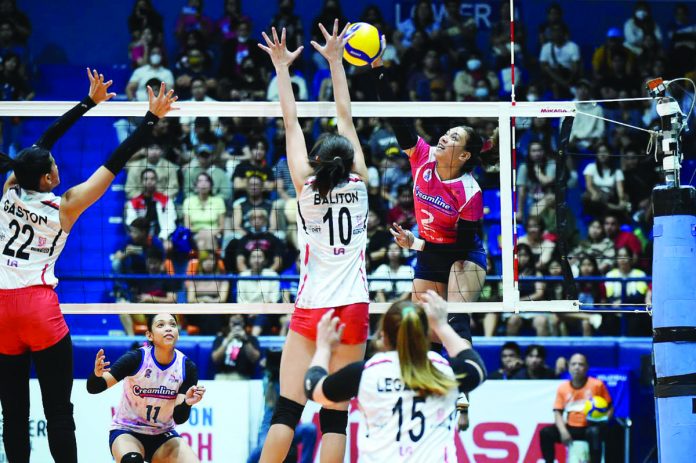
86,265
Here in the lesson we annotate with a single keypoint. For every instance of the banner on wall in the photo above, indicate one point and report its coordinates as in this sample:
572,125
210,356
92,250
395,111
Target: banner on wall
504,422
222,427
505,419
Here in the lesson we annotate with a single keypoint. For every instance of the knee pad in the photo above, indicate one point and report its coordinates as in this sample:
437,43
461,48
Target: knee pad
287,412
334,421
132,457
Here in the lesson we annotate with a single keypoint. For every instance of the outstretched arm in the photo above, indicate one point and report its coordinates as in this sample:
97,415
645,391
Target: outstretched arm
77,199
104,377
332,50
295,147
402,127
98,92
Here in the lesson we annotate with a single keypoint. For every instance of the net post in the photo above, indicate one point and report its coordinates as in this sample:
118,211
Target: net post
510,294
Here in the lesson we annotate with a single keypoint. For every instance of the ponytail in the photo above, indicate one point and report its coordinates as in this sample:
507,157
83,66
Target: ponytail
328,174
412,345
6,163
332,158
484,152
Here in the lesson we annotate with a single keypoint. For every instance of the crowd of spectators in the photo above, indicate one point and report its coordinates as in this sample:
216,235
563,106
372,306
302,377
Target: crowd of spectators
225,181
213,196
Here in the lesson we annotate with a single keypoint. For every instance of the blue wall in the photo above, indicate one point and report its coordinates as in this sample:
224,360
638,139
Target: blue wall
96,33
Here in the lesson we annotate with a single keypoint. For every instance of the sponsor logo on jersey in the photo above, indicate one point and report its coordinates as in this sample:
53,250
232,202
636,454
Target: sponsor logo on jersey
314,228
436,201
161,392
148,372
41,241
12,208
427,175
41,250
337,198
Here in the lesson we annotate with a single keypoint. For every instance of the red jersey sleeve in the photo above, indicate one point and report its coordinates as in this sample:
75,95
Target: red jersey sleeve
473,209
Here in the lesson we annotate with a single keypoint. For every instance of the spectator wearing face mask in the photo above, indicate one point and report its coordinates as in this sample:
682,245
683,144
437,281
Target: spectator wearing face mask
155,69
465,80
640,25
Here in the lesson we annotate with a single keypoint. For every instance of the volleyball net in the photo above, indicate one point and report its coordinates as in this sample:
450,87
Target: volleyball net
211,245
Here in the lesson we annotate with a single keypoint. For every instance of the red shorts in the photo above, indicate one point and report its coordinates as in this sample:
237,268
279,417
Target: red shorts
356,317
30,320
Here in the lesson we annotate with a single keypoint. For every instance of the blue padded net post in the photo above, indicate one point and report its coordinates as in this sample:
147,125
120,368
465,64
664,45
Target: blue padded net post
674,322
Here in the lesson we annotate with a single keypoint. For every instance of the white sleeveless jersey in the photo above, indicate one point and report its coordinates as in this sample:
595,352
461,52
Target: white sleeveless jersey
399,425
149,396
30,238
332,238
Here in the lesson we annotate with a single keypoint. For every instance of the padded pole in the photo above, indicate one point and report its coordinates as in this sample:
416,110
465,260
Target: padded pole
674,322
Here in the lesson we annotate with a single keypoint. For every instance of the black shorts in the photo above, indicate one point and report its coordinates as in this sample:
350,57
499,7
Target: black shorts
151,442
436,265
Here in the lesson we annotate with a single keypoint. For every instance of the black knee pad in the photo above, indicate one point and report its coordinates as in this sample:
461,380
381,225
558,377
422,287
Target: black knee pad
287,412
334,421
132,457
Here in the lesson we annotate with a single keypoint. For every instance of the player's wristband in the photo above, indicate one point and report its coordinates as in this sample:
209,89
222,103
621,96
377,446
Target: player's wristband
418,244
462,403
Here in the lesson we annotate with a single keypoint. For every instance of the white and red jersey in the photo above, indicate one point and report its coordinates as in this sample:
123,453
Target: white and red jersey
332,236
400,425
439,204
149,395
31,238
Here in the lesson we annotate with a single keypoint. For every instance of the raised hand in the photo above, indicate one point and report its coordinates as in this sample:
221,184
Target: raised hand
332,50
100,364
161,104
403,238
328,330
435,308
194,395
278,50
98,89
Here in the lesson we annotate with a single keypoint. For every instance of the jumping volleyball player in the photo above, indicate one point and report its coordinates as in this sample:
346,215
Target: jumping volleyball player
159,388
34,225
407,394
332,210
449,209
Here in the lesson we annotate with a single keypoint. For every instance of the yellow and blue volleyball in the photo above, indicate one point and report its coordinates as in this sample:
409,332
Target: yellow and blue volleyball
596,408
363,45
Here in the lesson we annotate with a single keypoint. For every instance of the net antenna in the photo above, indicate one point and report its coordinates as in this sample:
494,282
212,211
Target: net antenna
673,123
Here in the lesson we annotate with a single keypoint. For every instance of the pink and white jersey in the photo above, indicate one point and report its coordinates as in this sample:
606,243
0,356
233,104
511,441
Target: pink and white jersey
332,236
439,203
149,396
400,425
31,238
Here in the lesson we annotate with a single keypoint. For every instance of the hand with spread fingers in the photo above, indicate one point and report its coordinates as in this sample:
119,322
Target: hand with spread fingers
332,50
98,89
194,395
277,49
161,104
404,238
101,366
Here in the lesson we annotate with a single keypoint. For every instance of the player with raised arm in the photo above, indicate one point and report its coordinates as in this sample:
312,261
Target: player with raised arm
160,385
449,209
332,210
34,226
407,394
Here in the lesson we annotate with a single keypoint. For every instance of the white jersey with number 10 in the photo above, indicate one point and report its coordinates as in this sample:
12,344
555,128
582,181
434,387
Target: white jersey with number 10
332,236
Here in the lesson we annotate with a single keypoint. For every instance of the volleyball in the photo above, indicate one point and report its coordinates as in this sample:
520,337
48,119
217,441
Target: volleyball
596,408
364,44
